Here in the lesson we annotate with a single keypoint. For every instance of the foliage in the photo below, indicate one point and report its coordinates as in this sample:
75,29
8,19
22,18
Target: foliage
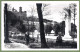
48,28
56,28
73,28
16,22
60,27
73,31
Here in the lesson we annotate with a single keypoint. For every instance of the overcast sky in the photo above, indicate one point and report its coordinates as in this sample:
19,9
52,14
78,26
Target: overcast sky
55,8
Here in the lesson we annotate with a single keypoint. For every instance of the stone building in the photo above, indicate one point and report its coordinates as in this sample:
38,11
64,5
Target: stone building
21,14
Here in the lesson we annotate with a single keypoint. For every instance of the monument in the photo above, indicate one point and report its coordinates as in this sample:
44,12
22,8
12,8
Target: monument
67,25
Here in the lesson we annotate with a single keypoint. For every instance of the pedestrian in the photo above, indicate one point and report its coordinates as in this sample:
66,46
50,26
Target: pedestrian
26,38
59,38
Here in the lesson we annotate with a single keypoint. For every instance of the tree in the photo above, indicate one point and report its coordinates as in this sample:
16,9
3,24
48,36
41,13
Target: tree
42,34
56,28
73,26
73,11
62,27
73,32
10,17
32,11
59,27
6,25
48,28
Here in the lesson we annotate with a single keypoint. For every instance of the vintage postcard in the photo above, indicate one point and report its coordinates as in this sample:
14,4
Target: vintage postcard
39,25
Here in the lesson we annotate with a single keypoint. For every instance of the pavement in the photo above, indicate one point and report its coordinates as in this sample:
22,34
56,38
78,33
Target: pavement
15,45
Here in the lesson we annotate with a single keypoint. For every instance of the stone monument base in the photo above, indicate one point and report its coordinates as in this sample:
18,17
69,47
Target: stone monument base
67,38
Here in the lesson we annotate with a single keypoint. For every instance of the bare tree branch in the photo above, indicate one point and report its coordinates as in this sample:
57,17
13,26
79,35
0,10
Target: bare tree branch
47,13
32,10
44,7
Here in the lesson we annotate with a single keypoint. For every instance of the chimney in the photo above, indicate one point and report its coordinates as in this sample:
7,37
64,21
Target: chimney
13,9
20,9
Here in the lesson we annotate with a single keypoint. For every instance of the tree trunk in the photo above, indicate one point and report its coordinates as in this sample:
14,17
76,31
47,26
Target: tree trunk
42,34
27,34
33,27
6,34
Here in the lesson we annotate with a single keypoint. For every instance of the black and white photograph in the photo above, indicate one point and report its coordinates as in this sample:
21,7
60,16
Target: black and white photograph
39,25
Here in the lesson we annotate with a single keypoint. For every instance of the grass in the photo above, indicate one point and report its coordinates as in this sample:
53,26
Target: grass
50,42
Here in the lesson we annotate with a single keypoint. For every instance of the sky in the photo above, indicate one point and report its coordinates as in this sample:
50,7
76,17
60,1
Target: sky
55,8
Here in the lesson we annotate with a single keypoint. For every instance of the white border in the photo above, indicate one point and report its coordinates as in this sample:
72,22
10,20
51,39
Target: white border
2,28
